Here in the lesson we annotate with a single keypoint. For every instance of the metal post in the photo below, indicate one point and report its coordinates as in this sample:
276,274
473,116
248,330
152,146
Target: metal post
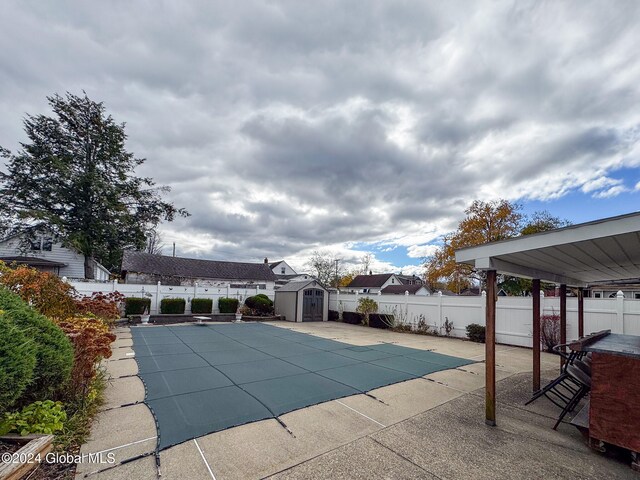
580,312
490,350
535,293
563,318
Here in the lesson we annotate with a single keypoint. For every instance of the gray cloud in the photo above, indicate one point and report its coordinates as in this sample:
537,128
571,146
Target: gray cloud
290,126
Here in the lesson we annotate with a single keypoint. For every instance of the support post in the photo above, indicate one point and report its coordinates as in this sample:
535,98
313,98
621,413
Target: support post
580,312
563,318
535,293
490,350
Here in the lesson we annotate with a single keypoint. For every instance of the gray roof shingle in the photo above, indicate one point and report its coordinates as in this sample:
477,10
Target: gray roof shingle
400,289
370,280
141,262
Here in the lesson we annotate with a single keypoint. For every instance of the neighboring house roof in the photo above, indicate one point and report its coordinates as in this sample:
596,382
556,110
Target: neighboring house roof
297,286
162,265
275,264
400,289
370,280
407,279
33,261
472,291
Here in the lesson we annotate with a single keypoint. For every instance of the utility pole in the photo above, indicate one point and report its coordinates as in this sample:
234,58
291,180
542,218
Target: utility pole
174,249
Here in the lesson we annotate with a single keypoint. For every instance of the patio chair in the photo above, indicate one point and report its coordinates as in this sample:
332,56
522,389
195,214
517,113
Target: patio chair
573,383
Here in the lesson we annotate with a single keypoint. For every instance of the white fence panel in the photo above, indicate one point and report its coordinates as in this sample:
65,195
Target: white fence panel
513,314
158,292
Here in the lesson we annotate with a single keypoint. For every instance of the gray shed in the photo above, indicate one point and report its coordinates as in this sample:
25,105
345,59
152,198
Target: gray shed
306,301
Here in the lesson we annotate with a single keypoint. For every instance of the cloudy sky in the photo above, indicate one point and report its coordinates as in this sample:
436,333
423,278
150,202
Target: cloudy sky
353,127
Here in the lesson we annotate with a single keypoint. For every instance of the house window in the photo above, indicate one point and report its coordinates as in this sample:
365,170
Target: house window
597,295
283,270
393,280
636,296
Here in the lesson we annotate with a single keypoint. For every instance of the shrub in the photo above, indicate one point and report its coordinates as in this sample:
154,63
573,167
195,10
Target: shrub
91,342
174,306
228,305
260,304
103,305
550,331
46,292
136,306
352,318
54,353
380,320
201,305
476,332
17,362
366,306
334,315
46,417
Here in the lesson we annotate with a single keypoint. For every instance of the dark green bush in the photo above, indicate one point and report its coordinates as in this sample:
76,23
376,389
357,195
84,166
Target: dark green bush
174,306
334,315
228,305
53,350
475,332
17,362
136,306
201,305
260,304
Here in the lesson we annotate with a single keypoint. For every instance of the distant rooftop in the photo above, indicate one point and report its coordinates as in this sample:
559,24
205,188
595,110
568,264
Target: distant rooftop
140,262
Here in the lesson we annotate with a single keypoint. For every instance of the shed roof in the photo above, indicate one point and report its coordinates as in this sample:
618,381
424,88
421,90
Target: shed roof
141,262
600,251
370,280
297,286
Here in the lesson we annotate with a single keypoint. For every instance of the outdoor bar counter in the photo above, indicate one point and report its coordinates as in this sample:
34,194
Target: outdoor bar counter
614,410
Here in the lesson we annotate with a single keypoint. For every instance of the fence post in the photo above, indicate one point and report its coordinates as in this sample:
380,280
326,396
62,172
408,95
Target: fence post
195,294
406,304
114,285
157,298
483,307
618,327
440,311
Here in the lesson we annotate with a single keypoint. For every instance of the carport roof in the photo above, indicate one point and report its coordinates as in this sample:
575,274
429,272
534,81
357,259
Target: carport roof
600,251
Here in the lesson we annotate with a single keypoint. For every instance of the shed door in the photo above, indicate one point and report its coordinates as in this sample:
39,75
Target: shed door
312,305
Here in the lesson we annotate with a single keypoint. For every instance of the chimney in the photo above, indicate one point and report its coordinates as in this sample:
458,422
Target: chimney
266,260
370,272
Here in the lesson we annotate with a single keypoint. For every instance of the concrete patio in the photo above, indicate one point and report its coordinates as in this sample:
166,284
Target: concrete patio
431,427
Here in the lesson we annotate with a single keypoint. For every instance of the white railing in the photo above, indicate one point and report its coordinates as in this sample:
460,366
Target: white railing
513,315
158,291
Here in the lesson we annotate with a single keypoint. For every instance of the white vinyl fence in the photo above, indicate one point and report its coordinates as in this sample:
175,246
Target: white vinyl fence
513,316
157,292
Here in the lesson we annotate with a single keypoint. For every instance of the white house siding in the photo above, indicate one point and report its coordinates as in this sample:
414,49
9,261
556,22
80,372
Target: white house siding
74,261
278,269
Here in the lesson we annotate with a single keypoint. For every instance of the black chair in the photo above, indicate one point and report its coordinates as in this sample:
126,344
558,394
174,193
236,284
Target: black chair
573,383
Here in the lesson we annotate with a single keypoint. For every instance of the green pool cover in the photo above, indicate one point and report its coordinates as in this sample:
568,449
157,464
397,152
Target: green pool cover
203,379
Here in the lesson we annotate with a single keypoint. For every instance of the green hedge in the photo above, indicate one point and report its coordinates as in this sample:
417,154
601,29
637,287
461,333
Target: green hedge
53,350
173,306
17,363
201,305
136,306
228,305
475,332
260,304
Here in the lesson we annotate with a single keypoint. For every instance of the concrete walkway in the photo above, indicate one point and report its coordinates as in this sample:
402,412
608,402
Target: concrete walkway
430,427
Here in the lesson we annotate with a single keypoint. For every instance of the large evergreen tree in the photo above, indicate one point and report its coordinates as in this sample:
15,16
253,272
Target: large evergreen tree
75,178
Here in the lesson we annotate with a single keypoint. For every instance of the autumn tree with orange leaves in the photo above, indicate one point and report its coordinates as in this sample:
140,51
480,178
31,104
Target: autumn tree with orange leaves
484,222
